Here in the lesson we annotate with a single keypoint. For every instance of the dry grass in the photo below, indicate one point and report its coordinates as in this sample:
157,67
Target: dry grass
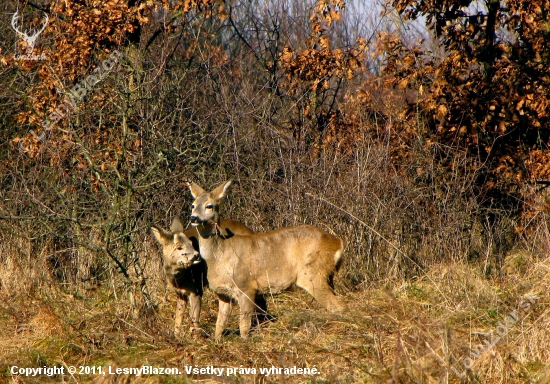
405,331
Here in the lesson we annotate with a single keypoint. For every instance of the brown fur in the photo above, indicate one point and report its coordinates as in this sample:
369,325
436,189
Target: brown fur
229,228
242,266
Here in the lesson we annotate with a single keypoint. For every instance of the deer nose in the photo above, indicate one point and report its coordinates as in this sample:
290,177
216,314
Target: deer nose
196,257
194,219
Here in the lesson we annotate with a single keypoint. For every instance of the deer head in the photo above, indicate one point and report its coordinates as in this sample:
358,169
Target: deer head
30,40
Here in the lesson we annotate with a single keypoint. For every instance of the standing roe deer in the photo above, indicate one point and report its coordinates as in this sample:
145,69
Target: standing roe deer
242,266
185,270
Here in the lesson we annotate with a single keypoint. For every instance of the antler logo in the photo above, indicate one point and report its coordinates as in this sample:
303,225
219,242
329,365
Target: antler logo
29,39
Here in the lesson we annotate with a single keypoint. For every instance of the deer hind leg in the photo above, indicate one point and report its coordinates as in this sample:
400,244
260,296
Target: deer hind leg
261,314
317,285
180,310
224,310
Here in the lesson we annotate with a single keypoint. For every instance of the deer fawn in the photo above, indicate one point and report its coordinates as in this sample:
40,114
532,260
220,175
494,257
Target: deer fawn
242,266
185,270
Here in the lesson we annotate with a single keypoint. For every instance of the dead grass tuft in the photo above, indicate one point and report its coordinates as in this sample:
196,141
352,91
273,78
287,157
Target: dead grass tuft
419,330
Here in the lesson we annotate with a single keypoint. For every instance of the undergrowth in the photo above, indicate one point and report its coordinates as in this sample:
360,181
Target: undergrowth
418,330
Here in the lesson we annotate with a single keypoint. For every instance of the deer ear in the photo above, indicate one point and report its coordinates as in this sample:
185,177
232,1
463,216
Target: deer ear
220,192
177,225
161,235
181,238
196,190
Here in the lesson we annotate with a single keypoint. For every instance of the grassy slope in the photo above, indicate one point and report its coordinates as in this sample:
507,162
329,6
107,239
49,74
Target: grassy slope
403,331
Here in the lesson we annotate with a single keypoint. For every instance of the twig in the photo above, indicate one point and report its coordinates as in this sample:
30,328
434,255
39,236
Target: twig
382,237
47,11
136,328
365,224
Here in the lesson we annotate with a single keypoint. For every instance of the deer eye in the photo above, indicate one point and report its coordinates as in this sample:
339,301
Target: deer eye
192,206
209,206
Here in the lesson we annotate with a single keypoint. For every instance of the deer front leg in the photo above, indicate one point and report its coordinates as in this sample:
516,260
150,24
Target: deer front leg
247,307
180,310
224,311
195,309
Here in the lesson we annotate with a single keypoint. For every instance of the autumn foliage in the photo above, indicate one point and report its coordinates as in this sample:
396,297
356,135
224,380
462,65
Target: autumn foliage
489,93
207,87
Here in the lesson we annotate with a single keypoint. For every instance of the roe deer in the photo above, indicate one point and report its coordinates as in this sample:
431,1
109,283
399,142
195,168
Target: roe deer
185,270
242,266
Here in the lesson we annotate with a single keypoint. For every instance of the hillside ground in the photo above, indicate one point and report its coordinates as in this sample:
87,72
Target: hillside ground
425,330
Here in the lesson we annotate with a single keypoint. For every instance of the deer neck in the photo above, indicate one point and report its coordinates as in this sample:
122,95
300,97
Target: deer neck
210,241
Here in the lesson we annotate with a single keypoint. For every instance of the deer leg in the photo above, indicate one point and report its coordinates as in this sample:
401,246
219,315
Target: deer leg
261,314
180,310
195,309
247,306
318,287
224,310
